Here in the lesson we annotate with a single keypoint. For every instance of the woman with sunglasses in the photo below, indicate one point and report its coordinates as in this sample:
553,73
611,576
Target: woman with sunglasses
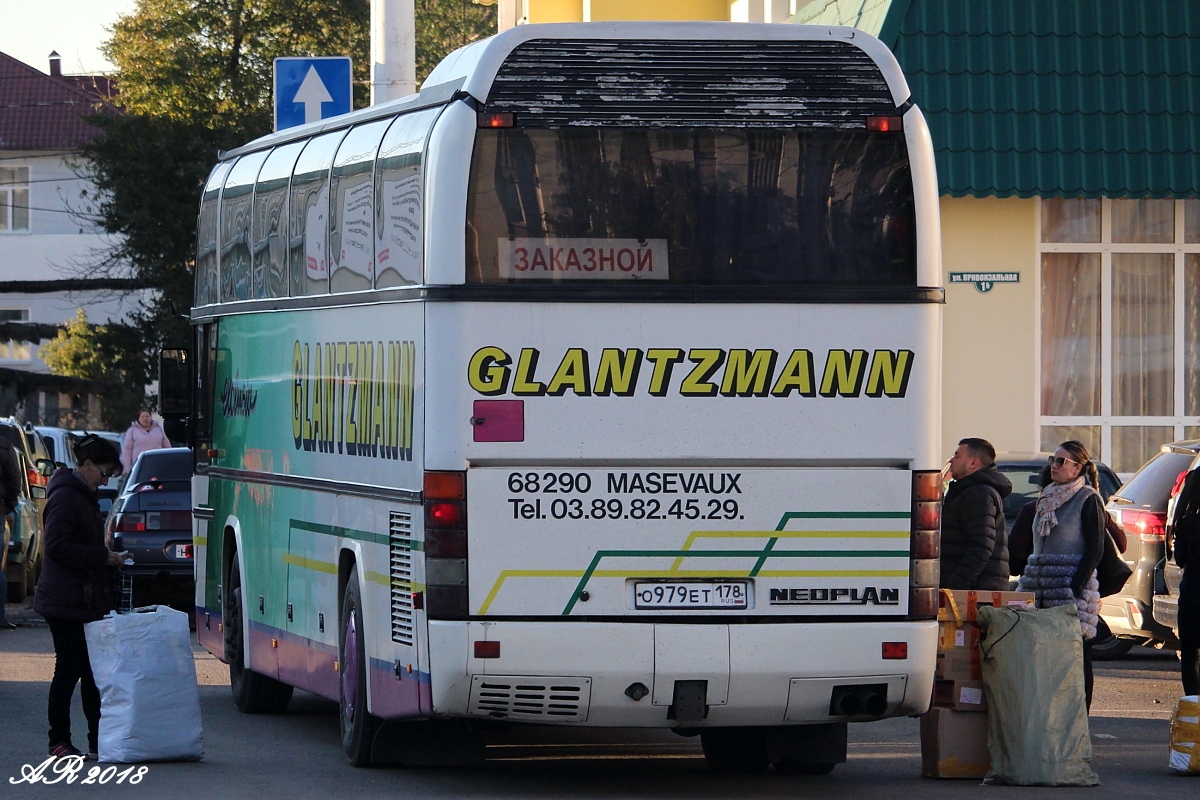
1068,541
76,585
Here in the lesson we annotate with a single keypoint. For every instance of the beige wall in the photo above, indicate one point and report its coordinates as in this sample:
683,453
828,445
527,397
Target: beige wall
611,10
555,10
989,345
614,10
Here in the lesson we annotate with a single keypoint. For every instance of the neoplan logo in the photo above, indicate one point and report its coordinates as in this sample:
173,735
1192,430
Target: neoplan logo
836,597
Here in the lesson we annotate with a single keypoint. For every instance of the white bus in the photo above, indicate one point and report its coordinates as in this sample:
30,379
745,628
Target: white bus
597,385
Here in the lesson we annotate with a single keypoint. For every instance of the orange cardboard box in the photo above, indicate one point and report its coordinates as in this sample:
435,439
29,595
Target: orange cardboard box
961,664
961,695
959,606
953,744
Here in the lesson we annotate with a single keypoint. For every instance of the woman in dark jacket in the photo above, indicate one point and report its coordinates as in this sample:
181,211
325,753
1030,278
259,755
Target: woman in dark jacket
1186,548
76,585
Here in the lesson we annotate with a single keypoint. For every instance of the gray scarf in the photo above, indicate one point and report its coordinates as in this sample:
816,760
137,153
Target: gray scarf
1053,496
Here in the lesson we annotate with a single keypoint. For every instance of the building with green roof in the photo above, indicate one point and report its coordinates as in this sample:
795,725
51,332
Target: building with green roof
1066,135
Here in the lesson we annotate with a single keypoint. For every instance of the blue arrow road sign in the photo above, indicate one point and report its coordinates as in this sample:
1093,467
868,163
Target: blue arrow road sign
310,89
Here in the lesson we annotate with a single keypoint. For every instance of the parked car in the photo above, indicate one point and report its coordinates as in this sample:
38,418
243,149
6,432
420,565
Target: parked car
1168,574
25,545
1140,506
152,520
31,451
60,449
59,444
109,490
39,475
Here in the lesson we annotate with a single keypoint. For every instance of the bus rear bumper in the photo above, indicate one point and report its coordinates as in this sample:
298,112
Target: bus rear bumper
633,674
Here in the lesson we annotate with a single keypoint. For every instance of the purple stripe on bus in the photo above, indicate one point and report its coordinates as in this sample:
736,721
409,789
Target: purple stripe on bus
311,665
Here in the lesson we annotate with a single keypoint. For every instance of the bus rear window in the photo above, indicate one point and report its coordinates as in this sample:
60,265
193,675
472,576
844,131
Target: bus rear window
691,206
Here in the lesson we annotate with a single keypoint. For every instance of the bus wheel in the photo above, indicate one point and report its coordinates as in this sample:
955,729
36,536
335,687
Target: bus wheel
735,750
252,693
358,726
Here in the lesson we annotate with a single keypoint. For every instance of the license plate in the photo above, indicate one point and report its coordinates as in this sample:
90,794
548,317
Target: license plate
183,551
691,594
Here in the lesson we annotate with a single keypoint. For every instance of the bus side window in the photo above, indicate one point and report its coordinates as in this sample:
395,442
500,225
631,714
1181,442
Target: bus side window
352,213
269,228
236,202
207,229
308,211
399,232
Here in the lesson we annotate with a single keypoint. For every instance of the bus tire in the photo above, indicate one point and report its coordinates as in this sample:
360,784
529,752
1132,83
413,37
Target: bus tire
253,693
735,750
358,725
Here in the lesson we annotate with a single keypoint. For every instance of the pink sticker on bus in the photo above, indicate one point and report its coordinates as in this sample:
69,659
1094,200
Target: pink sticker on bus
499,420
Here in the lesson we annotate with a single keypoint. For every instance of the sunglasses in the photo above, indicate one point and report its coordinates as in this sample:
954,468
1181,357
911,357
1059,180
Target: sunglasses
1058,461
107,473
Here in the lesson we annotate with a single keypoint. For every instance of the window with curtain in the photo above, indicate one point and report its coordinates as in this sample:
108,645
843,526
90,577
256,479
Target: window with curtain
1120,324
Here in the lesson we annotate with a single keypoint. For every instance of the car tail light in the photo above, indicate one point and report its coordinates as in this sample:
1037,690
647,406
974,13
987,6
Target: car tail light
445,497
1148,526
925,544
129,523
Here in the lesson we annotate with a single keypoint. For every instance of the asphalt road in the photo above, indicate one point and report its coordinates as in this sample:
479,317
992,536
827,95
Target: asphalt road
298,755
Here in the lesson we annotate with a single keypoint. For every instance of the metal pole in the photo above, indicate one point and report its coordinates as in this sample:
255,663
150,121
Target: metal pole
393,50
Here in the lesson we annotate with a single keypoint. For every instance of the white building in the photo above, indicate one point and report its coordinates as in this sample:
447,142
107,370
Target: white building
43,237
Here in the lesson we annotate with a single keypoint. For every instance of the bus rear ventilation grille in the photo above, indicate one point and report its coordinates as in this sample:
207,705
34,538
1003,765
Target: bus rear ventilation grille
524,697
400,568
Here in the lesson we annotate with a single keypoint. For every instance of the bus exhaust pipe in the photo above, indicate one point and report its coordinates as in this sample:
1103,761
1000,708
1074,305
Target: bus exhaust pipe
852,701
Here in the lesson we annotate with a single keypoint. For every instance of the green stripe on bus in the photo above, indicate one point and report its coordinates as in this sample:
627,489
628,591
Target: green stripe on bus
350,533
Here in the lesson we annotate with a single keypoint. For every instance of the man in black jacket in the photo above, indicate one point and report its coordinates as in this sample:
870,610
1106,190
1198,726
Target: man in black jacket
974,546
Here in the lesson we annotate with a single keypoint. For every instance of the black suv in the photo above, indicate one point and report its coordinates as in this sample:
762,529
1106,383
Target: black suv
152,520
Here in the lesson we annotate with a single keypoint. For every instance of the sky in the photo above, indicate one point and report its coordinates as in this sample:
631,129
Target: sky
73,28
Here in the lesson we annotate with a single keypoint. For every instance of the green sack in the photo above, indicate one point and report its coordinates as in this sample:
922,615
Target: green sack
1032,663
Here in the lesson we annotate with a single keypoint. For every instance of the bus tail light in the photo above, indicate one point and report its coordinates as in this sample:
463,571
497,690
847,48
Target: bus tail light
445,497
885,124
925,544
495,119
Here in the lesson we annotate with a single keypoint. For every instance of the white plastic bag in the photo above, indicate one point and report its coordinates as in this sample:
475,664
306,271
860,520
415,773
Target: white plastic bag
149,701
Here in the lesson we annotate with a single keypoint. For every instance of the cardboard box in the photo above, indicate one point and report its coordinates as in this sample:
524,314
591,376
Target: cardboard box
961,695
953,744
959,663
959,606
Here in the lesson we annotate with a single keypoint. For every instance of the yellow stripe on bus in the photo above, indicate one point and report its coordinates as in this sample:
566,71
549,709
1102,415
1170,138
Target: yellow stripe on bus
200,541
331,569
310,563
685,573
694,535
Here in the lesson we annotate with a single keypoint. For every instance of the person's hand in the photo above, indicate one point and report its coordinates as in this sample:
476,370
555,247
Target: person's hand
115,559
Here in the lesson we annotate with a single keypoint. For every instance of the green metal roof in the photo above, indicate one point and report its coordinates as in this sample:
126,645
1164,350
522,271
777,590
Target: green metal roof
1047,97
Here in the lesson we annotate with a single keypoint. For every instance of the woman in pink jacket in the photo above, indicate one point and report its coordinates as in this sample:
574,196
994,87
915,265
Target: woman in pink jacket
144,434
